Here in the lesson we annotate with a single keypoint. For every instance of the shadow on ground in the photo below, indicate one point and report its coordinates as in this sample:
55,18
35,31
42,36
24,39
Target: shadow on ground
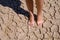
15,5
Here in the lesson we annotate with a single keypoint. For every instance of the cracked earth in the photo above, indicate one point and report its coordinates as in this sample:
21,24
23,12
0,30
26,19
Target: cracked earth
14,18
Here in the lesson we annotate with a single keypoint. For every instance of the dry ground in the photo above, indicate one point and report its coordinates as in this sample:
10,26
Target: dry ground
14,18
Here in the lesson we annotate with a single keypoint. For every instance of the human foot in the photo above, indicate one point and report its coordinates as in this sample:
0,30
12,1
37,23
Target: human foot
31,19
39,20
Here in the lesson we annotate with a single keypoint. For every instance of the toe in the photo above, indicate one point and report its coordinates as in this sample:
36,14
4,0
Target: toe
39,23
31,23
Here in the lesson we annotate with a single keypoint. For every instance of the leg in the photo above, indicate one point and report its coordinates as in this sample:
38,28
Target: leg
39,11
30,8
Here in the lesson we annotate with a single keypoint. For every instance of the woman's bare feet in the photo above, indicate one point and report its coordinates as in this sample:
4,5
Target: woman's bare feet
39,6
31,19
39,20
30,9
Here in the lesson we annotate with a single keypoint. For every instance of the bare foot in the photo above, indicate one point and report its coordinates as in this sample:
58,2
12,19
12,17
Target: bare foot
31,20
39,20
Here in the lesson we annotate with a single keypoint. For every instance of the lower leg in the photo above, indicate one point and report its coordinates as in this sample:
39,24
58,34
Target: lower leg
30,8
39,11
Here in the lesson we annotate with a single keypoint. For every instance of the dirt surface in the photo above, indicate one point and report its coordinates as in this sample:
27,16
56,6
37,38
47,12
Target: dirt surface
14,18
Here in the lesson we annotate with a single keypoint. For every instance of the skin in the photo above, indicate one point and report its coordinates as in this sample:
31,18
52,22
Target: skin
39,5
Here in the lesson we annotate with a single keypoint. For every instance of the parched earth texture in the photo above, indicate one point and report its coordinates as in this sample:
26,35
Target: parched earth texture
14,21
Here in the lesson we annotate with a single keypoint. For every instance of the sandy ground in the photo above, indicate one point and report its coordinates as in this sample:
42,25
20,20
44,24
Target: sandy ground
14,18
